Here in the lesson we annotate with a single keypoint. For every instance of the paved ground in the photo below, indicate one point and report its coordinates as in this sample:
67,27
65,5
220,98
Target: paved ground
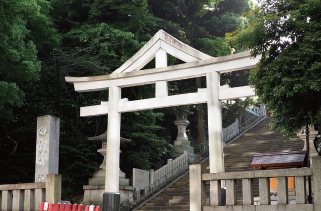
260,139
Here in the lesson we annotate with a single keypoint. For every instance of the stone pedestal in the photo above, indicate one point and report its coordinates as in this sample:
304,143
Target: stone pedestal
182,143
93,192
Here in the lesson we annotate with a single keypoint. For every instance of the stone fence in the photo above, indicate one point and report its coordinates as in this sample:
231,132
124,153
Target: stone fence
231,131
236,128
28,196
147,183
254,110
201,202
170,169
160,175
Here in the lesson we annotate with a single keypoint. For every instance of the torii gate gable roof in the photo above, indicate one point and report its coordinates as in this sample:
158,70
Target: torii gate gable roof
161,40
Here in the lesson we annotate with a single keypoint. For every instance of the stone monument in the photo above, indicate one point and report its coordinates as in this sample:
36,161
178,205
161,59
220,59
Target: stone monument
182,143
47,147
93,192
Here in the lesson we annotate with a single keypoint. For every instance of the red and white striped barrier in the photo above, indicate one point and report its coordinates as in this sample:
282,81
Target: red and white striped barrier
45,206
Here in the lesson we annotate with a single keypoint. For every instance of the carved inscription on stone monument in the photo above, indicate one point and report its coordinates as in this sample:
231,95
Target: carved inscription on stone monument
41,152
47,147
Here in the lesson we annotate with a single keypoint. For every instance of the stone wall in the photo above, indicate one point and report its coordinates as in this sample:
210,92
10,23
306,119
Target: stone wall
199,201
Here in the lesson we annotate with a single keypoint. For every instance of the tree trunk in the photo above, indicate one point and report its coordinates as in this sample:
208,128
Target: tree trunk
15,143
242,109
57,101
201,139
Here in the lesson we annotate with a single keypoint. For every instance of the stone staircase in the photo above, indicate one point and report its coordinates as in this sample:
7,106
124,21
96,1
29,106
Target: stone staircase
260,139
237,157
174,198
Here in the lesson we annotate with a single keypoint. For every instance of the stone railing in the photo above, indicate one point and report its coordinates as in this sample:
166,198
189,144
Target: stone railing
235,129
162,176
254,110
170,169
158,180
231,131
28,196
199,202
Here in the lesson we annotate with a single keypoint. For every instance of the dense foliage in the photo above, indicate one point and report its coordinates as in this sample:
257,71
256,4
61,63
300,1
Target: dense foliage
43,41
287,34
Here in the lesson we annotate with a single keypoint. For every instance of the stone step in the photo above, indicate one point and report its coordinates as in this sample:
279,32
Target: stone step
184,201
162,198
182,184
174,198
178,188
176,191
176,207
168,209
176,202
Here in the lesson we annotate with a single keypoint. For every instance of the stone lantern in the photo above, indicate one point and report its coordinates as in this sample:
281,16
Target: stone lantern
102,150
93,192
182,143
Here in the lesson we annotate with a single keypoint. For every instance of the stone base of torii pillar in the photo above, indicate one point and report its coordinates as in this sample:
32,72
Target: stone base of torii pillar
93,192
182,143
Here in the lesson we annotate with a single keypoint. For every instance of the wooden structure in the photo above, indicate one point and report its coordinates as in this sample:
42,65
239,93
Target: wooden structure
280,160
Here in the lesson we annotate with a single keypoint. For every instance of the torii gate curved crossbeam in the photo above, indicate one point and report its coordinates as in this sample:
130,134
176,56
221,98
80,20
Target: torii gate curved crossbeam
198,65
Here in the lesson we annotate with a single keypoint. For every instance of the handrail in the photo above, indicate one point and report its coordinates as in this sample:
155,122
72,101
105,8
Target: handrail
234,132
255,110
162,182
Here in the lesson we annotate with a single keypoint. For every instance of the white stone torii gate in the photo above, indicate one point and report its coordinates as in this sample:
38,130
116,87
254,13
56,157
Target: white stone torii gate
130,74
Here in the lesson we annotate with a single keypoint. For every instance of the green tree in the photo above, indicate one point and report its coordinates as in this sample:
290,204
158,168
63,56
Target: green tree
215,47
26,29
184,12
149,148
287,34
18,55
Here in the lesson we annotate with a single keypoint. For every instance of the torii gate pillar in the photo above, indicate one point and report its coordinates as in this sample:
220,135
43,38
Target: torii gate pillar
111,197
214,123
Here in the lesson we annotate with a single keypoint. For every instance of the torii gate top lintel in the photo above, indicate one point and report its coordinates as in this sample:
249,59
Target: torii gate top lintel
130,74
198,63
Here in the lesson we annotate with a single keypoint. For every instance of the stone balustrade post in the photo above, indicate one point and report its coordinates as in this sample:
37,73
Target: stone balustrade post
300,189
247,191
170,169
197,188
264,191
151,179
29,199
230,192
17,200
316,166
39,197
185,159
6,200
53,188
215,193
237,125
262,110
282,190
